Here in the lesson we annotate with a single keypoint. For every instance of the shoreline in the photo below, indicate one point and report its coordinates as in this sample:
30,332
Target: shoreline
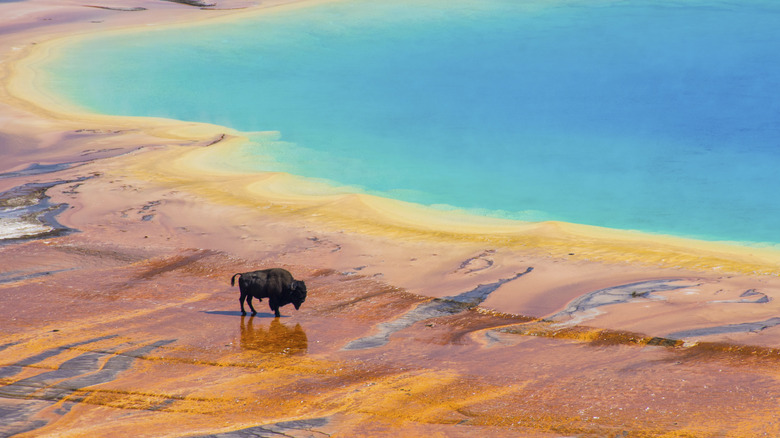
577,330
305,193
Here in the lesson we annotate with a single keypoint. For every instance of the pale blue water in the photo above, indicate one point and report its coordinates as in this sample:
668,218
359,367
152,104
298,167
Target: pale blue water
655,115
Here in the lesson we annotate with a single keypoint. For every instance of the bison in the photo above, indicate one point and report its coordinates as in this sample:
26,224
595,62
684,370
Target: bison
276,284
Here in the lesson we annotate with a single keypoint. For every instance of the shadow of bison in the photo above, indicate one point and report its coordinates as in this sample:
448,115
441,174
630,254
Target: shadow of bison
276,284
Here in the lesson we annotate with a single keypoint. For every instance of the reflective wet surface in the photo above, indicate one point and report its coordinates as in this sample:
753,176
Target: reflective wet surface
275,337
25,212
29,403
436,308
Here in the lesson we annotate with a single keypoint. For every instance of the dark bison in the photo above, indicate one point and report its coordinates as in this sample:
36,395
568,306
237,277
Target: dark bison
276,284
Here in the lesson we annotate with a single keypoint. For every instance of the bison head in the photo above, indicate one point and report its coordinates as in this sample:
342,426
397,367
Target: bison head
298,293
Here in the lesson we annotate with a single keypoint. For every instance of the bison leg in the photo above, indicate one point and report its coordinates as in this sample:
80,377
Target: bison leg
241,300
274,306
249,301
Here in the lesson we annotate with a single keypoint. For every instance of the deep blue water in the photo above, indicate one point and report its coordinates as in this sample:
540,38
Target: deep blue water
655,115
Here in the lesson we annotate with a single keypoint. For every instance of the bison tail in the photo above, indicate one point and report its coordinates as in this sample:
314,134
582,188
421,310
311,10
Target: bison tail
233,279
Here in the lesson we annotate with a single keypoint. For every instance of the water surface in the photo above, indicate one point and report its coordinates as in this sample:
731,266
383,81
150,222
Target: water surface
659,116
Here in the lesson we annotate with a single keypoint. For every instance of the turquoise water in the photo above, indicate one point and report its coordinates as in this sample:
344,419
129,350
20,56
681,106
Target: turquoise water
660,116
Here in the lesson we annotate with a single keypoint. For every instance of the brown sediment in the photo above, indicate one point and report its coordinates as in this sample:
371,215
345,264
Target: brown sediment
130,326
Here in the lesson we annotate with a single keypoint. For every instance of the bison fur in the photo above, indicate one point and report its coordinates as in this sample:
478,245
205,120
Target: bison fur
276,284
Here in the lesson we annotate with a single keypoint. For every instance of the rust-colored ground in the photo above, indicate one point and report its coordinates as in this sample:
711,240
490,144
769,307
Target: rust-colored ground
126,343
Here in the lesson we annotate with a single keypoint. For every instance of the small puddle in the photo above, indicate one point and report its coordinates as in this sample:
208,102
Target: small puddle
38,169
26,213
745,327
14,276
435,308
282,429
584,307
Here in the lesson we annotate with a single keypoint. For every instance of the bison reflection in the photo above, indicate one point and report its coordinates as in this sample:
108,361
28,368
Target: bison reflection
276,339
